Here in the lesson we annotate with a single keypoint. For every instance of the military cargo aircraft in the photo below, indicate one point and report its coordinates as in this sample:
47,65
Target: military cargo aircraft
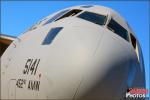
81,52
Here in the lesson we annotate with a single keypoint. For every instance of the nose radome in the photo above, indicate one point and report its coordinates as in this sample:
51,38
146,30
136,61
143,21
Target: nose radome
65,69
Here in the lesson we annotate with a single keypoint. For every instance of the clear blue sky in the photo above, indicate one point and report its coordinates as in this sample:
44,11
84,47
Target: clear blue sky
18,16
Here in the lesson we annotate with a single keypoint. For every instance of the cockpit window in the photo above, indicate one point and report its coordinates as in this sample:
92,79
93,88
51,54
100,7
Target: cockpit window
57,16
70,13
51,35
118,29
63,14
93,17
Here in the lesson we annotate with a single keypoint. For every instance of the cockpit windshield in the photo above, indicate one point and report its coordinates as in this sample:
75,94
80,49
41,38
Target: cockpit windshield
63,14
93,17
57,16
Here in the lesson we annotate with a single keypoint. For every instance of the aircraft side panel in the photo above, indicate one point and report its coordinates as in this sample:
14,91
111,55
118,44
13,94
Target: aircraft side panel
107,76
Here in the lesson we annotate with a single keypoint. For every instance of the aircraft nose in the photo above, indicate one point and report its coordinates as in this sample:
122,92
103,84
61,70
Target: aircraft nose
67,60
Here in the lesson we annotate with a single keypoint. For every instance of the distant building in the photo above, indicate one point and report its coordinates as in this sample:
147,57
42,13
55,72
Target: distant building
5,41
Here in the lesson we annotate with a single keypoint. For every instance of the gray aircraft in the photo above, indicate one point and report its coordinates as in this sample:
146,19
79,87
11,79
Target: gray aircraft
81,52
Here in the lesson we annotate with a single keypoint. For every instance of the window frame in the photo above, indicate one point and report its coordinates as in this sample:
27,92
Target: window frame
54,19
61,17
133,39
106,17
109,28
